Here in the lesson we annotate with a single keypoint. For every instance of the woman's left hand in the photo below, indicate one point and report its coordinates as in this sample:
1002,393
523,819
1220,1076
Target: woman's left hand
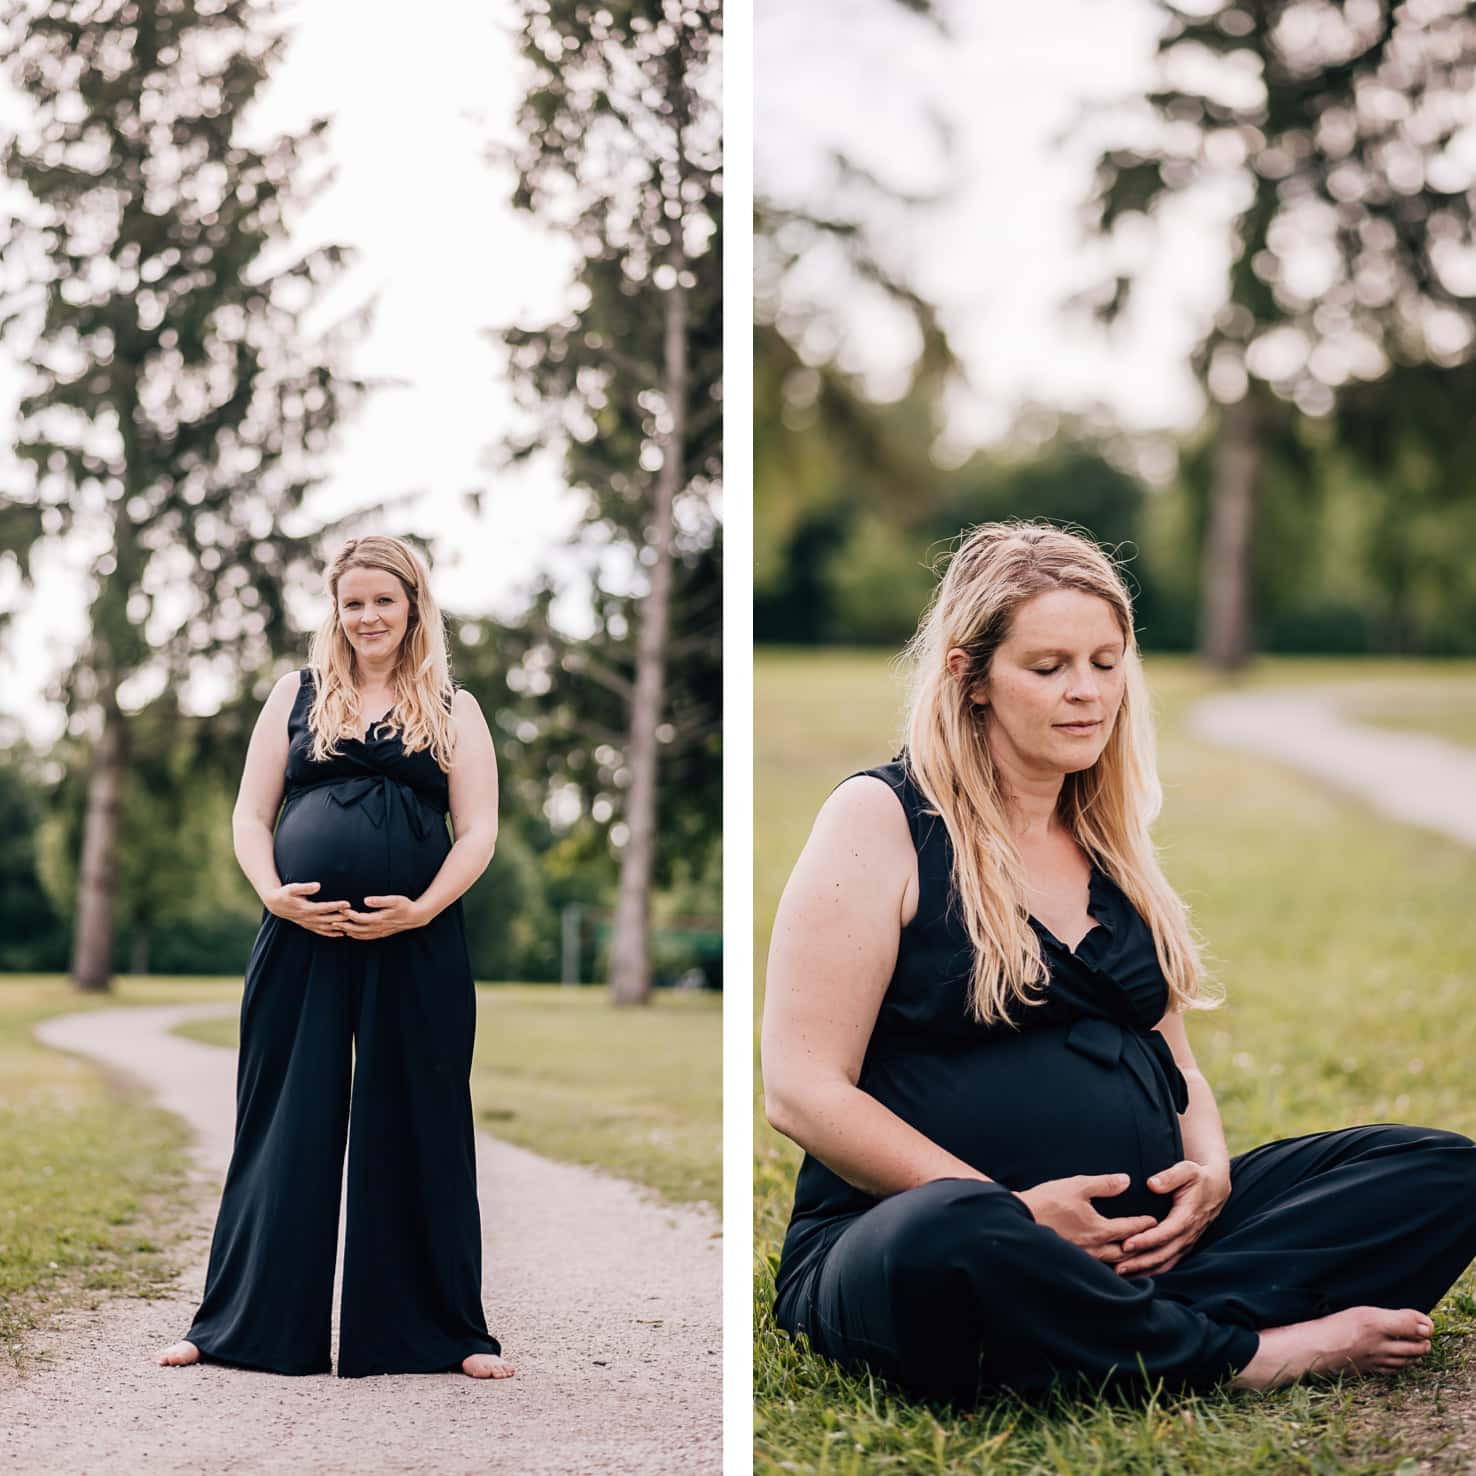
392,914
1199,1193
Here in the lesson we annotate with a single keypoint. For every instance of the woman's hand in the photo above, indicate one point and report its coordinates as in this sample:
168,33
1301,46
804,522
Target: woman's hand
1199,1194
394,914
1066,1206
290,903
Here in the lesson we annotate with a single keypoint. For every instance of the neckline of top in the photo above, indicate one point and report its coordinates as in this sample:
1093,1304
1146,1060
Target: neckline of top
373,723
1097,897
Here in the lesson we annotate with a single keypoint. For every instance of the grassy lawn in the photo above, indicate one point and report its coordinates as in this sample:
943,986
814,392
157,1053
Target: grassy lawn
1445,708
91,1176
1344,946
635,1092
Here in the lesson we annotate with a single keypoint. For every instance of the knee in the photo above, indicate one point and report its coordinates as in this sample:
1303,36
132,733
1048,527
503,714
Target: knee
1450,1158
949,1225
1456,1154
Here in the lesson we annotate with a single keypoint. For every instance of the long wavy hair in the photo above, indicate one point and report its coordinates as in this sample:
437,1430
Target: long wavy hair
422,677
1108,807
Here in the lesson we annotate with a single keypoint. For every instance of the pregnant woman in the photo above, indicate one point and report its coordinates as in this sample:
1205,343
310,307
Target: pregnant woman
1014,1171
359,1011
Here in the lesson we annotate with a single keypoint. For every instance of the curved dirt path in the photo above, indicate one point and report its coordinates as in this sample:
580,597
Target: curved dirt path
608,1302
1414,777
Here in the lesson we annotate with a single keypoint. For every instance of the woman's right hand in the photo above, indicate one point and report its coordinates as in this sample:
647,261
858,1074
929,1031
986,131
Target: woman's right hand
290,903
1066,1206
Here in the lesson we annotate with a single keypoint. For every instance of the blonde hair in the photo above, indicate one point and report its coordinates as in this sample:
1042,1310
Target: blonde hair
422,675
1108,807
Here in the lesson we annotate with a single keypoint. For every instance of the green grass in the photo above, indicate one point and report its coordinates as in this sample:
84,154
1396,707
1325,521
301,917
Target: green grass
1344,945
92,1178
635,1092
1445,708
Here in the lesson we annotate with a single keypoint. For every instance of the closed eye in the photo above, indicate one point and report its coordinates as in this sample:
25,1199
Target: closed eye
1052,670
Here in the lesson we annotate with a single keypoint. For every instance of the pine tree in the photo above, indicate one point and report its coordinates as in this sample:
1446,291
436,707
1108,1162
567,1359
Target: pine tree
622,150
1333,126
178,404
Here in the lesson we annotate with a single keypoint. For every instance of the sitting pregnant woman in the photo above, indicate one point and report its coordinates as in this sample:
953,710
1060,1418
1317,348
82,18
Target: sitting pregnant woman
359,1012
1014,1171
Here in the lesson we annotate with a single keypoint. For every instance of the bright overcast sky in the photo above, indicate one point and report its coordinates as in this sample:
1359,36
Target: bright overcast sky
415,107
1000,256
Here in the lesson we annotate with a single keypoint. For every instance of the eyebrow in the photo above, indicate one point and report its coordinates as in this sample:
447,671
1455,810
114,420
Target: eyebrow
1036,655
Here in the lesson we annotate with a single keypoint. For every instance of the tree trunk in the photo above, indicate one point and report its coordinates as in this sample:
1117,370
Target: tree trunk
630,948
1229,545
92,942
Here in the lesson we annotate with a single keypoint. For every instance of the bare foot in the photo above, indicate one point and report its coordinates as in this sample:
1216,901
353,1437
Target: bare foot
178,1354
1360,1340
487,1366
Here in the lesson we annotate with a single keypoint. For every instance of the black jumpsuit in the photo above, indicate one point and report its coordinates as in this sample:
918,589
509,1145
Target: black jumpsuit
371,821
952,1287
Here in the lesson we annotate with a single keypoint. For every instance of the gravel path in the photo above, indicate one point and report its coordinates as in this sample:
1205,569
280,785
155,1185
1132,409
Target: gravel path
1414,777
608,1302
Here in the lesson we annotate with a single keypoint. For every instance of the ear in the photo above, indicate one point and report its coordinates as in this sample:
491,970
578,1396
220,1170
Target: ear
958,668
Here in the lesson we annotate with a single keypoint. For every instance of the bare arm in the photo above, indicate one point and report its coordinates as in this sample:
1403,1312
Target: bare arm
834,948
832,955
260,795
473,785
1204,1134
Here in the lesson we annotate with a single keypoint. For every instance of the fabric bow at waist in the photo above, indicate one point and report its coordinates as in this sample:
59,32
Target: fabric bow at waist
1145,1054
374,793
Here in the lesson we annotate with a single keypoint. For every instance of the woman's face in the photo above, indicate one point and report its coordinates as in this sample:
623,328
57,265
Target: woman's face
374,611
1056,682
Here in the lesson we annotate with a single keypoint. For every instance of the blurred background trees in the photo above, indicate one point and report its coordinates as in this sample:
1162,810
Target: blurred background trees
621,142
1322,501
182,406
176,403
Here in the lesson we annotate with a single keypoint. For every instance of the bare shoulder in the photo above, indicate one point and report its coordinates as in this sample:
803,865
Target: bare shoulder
469,725
865,813
278,706
466,711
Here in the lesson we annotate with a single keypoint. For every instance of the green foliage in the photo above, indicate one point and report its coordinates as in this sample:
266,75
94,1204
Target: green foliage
32,934
175,396
1331,132
1335,131
620,147
1332,128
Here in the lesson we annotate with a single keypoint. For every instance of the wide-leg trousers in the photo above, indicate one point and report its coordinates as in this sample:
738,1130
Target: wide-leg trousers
369,1042
952,1288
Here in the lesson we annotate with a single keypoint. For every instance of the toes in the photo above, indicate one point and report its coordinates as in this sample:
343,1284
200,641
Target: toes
1406,1323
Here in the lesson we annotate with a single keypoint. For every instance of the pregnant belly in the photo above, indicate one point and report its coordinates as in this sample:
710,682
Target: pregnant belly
1027,1108
340,847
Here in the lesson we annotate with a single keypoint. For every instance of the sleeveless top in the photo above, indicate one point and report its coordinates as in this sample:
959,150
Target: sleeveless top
375,771
368,821
1078,1083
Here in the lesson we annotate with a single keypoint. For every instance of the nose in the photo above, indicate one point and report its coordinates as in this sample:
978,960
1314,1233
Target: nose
1085,685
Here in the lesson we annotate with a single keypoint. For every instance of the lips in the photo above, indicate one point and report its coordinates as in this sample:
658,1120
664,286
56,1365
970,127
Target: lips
1080,727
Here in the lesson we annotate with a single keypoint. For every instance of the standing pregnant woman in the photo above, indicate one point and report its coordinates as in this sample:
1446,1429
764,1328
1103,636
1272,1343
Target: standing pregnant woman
359,1011
1014,1171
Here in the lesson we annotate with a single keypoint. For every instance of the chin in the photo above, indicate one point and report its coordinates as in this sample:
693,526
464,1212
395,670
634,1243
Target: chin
1079,757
